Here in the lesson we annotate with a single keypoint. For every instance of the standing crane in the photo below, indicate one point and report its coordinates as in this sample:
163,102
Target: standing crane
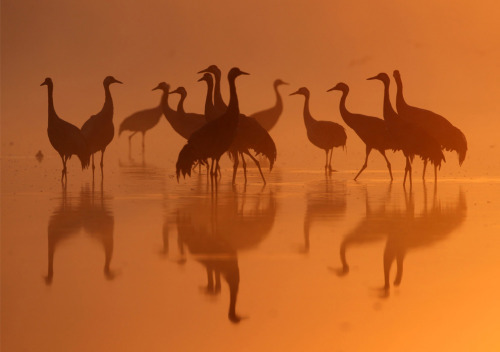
371,130
99,130
409,137
67,139
141,121
449,136
215,137
325,135
269,117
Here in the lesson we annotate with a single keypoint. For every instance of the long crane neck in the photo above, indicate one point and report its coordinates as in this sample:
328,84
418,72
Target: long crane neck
279,102
344,113
52,112
209,105
400,100
389,113
108,102
164,103
180,105
308,119
218,101
233,106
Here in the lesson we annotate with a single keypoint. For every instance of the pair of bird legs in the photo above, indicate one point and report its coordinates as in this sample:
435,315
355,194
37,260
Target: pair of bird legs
368,150
129,141
64,176
237,162
408,171
101,163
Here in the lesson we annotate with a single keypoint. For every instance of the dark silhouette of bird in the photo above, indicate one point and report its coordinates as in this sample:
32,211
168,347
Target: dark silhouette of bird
449,136
99,130
215,137
250,135
372,130
66,138
269,117
183,123
219,104
141,121
325,135
410,138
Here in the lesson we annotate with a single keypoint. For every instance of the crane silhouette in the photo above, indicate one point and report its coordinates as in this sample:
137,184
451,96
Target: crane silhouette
449,136
249,135
141,121
66,138
372,130
219,104
411,139
325,135
269,117
213,138
183,123
99,130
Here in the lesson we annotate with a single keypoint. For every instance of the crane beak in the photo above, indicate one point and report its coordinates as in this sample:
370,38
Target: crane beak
203,71
294,93
371,78
43,83
201,79
244,73
334,88
174,91
117,81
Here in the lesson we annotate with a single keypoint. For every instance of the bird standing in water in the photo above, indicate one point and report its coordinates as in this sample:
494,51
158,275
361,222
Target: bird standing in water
99,130
215,137
325,135
449,136
372,130
66,138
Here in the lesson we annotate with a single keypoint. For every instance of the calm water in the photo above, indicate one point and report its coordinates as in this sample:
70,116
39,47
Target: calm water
307,263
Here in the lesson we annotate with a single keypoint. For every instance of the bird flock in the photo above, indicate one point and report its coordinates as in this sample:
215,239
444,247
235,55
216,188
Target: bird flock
222,128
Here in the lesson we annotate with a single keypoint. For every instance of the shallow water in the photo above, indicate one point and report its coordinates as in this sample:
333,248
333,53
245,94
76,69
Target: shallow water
308,262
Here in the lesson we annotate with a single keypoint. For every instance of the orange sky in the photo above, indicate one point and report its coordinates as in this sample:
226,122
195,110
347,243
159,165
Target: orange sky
447,53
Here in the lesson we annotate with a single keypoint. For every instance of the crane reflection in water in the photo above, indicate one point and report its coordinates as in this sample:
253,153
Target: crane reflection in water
403,230
93,215
215,227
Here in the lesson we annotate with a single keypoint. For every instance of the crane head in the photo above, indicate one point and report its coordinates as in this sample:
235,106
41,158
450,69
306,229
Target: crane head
384,77
206,77
340,86
179,90
163,86
279,82
47,82
213,69
110,79
301,91
396,74
235,72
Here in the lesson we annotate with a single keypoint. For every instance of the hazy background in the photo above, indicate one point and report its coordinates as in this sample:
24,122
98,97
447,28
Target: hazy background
447,52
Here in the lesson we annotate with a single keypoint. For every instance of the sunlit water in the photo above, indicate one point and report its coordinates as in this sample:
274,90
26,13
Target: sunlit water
309,262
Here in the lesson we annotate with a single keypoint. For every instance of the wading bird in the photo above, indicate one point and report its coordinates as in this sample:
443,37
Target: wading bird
99,130
372,130
449,136
269,117
66,138
215,137
141,121
409,137
325,135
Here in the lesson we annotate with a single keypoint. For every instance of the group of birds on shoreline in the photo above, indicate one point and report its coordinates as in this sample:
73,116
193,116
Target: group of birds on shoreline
222,128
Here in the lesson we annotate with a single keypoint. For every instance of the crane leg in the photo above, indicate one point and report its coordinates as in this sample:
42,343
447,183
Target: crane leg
258,165
425,167
102,162
243,161
143,142
326,160
130,144
435,173
63,172
330,161
388,163
235,166
368,150
407,171
93,166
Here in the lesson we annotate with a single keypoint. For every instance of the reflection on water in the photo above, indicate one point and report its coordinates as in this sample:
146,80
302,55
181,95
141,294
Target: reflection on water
92,214
215,226
402,230
326,201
